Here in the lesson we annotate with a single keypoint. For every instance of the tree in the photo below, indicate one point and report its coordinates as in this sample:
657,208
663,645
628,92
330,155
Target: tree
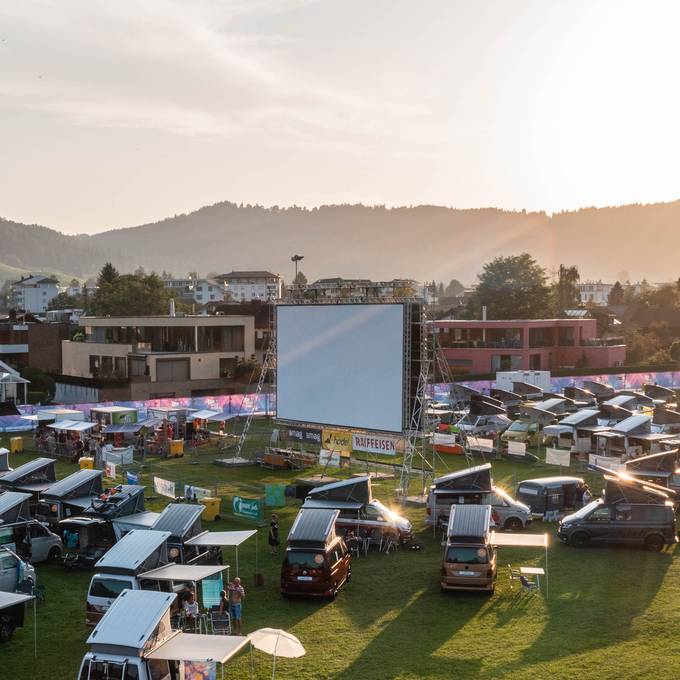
454,288
300,279
64,301
108,274
512,287
130,295
615,296
565,291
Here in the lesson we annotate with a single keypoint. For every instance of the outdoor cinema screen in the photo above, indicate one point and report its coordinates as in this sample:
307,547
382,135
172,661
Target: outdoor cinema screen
341,365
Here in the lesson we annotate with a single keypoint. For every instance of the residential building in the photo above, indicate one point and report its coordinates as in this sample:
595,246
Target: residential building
246,286
343,289
33,293
25,341
483,347
199,291
597,293
14,343
159,356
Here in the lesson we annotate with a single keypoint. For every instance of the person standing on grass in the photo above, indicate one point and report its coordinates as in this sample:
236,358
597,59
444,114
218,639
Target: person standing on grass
236,596
274,534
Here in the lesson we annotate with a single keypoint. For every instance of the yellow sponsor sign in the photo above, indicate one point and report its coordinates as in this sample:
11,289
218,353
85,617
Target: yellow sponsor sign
336,440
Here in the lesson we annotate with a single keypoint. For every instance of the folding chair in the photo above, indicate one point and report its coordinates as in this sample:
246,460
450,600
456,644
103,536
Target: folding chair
514,575
220,623
528,586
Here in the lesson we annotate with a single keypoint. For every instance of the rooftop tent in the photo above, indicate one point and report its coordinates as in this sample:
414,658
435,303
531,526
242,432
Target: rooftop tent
504,396
139,520
474,479
623,488
599,389
664,416
623,400
37,472
526,389
659,392
557,430
635,424
138,550
313,528
586,416
181,520
539,415
121,500
641,398
468,522
80,483
14,507
194,647
664,461
486,406
72,426
578,393
313,504
4,461
462,393
355,489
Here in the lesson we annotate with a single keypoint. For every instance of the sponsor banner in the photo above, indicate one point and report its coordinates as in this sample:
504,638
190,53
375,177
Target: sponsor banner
304,434
195,493
444,439
480,444
329,458
163,487
517,448
557,457
609,462
386,446
275,495
110,470
336,440
132,477
248,508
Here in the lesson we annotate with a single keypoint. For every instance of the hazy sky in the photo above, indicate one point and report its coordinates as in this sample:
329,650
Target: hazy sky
118,112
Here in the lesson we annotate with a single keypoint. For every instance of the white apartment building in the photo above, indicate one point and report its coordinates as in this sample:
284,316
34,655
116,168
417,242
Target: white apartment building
596,292
247,286
33,293
200,291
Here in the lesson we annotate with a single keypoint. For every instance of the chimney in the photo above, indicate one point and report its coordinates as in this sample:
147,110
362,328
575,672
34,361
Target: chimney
172,307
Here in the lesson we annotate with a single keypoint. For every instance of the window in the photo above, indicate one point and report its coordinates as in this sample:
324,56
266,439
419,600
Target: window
108,588
304,560
107,670
38,531
94,366
7,561
650,513
106,366
171,370
158,669
600,515
119,367
467,555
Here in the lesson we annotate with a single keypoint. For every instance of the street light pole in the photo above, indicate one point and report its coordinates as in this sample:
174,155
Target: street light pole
296,258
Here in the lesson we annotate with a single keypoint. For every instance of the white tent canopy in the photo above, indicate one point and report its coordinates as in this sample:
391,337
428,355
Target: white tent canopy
203,414
72,426
218,417
225,539
192,647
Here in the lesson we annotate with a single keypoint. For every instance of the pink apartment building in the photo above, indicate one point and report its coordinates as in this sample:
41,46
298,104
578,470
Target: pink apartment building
480,347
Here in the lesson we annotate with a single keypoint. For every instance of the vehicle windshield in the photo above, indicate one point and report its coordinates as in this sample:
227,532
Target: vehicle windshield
108,670
304,560
517,426
467,555
584,511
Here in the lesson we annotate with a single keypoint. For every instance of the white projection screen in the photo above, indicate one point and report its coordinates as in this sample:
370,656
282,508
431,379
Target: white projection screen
341,365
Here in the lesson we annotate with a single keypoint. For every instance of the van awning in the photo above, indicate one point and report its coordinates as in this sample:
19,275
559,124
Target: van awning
11,599
193,647
184,572
221,538
507,540
331,505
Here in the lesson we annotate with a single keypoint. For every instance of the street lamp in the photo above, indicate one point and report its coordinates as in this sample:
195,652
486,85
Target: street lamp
296,259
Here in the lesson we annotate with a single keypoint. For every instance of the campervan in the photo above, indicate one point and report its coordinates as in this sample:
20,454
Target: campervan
32,540
70,496
474,486
469,559
359,511
550,494
14,571
317,561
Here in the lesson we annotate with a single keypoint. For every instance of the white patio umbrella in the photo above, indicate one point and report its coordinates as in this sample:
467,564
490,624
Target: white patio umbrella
277,642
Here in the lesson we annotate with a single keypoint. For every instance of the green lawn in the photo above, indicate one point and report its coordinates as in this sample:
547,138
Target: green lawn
610,613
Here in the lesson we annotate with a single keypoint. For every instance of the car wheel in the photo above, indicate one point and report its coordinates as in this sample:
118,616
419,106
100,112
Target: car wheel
54,555
513,524
579,539
6,630
654,543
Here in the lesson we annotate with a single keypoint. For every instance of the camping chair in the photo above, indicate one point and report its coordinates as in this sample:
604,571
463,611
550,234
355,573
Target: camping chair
528,586
389,544
220,623
514,575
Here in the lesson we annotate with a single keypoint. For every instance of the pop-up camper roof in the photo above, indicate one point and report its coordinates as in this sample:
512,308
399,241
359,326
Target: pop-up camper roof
659,392
469,522
641,399
578,393
353,490
79,484
313,529
462,393
664,416
36,475
664,461
599,389
505,396
181,520
526,389
124,499
626,489
586,416
486,406
14,507
475,479
139,550
635,424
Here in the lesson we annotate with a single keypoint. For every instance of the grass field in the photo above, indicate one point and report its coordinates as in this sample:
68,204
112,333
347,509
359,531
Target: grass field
609,614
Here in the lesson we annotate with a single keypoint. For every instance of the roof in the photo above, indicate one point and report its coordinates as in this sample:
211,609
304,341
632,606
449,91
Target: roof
469,521
184,572
10,499
314,504
193,647
29,468
548,404
580,416
131,619
632,423
313,526
253,274
35,280
222,538
619,400
139,519
72,425
132,550
178,518
203,414
552,481
131,427
477,477
69,484
11,599
112,409
519,540
354,490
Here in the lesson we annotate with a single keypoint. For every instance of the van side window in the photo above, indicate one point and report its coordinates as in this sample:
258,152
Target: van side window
107,587
7,561
38,531
623,513
650,513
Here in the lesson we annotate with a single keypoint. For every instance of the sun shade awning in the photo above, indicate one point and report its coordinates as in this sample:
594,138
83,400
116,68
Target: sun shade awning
221,538
72,426
131,428
519,540
203,414
192,647
184,572
11,599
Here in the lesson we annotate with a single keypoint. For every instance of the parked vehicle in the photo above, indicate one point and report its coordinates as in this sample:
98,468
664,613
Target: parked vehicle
32,478
14,571
524,431
138,551
32,541
661,468
70,496
359,511
85,540
486,416
469,559
317,561
550,494
474,486
12,608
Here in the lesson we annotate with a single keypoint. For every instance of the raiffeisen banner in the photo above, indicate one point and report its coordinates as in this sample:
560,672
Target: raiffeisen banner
386,446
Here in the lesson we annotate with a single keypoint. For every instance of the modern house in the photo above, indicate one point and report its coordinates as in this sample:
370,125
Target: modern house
151,357
483,347
33,293
28,342
246,286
